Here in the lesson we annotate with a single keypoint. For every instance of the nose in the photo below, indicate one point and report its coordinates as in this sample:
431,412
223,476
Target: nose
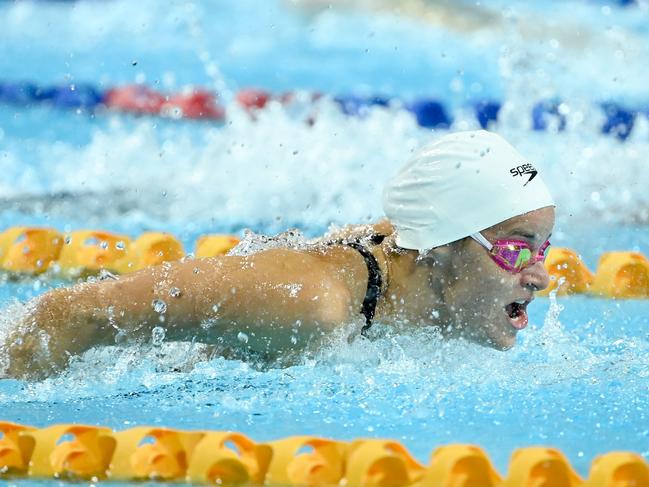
535,277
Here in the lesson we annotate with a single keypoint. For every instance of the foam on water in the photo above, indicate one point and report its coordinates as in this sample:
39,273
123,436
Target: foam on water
552,353
279,168
409,385
582,374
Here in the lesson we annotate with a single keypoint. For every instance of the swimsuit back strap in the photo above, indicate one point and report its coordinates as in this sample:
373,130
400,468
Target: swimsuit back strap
374,283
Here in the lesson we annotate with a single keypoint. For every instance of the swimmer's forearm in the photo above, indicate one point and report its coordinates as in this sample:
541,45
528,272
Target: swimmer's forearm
58,324
207,299
68,321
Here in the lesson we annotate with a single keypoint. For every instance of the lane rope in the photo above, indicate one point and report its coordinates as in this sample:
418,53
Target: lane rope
74,452
37,250
202,104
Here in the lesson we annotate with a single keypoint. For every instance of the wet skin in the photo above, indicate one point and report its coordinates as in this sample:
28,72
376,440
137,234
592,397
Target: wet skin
283,299
461,289
482,289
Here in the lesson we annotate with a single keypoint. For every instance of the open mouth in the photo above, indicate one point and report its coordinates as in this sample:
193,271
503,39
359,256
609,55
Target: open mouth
517,313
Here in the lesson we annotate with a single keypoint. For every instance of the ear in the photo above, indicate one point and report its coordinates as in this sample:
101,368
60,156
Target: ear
444,255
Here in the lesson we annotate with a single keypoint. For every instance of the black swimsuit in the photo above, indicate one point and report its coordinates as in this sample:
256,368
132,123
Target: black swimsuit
374,280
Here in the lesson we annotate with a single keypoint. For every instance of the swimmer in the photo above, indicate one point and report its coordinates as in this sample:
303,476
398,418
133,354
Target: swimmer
462,249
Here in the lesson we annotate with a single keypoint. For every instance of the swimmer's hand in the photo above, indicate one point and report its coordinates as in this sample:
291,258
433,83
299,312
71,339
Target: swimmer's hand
279,297
45,338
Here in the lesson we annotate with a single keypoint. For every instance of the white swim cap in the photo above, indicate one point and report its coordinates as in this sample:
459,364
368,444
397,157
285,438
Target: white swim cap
461,184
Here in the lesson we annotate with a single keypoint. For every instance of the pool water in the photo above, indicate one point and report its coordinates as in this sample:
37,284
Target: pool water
579,377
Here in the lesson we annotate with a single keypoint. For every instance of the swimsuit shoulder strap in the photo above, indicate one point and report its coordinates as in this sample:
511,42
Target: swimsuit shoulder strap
374,280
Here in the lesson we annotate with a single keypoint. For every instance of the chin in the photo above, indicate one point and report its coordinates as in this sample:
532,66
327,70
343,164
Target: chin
502,341
505,345
496,335
499,338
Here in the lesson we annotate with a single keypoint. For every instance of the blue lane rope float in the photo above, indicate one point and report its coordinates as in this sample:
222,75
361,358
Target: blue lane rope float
486,112
197,103
623,3
359,105
36,250
547,113
65,96
85,452
619,120
430,114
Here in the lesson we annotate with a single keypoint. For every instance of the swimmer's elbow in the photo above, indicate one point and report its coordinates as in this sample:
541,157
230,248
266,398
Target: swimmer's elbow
46,305
333,306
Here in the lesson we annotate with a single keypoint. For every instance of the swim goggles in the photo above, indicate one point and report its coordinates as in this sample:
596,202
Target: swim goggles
512,255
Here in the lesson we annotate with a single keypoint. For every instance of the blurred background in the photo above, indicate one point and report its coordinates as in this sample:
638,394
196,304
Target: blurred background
348,89
196,117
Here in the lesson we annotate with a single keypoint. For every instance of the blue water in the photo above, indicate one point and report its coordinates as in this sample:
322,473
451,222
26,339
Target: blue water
579,378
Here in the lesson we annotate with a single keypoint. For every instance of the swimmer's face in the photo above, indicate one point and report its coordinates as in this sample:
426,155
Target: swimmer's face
479,296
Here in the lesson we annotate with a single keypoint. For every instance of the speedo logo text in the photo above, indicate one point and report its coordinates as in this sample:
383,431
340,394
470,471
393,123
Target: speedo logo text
524,169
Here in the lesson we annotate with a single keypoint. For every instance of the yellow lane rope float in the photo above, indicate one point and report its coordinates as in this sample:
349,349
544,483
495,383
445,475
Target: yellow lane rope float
618,274
35,250
75,452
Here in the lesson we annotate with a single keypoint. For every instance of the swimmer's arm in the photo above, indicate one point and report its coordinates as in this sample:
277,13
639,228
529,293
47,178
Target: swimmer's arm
205,297
272,292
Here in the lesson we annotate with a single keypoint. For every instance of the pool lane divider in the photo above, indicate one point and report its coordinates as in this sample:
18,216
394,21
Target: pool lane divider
30,251
619,274
36,250
200,103
84,452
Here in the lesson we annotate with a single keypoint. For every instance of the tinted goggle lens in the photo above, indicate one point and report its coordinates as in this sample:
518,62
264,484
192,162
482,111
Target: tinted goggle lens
517,256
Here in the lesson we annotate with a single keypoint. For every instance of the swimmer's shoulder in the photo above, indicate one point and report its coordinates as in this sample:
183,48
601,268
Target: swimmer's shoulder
324,285
358,232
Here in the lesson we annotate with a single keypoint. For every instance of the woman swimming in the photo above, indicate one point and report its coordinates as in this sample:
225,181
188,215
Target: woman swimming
462,249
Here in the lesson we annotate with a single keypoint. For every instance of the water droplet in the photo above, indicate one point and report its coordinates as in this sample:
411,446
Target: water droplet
242,337
208,323
120,245
293,339
158,335
174,292
103,245
120,337
215,308
159,306
105,275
